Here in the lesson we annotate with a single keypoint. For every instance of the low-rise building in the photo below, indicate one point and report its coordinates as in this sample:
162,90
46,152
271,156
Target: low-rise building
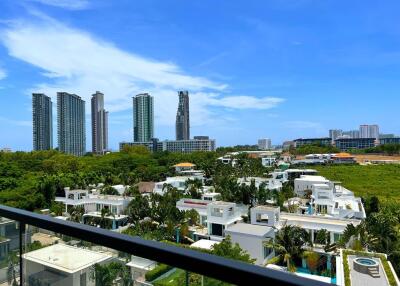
326,141
139,267
220,215
348,144
305,183
252,238
62,265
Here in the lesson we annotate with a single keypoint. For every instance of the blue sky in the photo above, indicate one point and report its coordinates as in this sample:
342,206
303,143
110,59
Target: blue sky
279,68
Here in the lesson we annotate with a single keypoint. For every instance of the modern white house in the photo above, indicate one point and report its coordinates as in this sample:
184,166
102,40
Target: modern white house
305,183
270,184
198,205
139,267
221,215
93,204
178,182
62,265
337,201
252,238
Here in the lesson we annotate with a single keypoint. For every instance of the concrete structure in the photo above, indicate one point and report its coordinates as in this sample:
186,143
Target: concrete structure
336,201
42,122
269,183
143,117
369,131
264,144
393,140
347,144
198,205
139,267
61,265
343,158
350,134
94,203
204,244
308,141
203,144
99,124
305,183
184,166
178,182
71,124
221,215
182,125
335,134
252,238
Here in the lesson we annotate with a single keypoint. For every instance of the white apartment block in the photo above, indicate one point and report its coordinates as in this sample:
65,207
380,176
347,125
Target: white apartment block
264,144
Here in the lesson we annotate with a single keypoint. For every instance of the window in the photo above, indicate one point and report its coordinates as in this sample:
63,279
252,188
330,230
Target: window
267,251
218,212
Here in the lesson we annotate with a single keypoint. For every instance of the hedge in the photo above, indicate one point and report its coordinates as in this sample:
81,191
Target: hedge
159,270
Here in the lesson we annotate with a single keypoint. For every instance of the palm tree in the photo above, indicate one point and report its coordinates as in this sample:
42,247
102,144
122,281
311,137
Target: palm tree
76,214
358,237
289,244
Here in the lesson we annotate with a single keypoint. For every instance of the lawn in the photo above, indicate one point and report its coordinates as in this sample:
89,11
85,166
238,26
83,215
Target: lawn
178,278
382,181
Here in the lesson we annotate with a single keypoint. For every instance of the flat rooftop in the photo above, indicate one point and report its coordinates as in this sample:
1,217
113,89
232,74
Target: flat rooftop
312,178
249,229
317,222
204,244
66,258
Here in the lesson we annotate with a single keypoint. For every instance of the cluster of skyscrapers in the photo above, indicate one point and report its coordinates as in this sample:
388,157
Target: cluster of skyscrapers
143,127
365,131
71,127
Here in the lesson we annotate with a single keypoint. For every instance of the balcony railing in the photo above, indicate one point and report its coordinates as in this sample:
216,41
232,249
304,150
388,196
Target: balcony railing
191,261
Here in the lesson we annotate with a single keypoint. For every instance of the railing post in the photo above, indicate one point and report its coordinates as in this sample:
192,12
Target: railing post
21,252
187,278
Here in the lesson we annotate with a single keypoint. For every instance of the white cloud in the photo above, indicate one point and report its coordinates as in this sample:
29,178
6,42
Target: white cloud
3,73
75,61
66,4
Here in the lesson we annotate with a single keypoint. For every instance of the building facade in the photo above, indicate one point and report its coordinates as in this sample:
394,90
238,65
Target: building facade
347,144
369,131
335,134
392,140
143,118
264,144
351,134
71,124
42,119
177,146
182,125
321,141
99,124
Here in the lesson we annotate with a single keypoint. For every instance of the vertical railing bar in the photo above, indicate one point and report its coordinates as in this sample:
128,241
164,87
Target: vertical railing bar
21,252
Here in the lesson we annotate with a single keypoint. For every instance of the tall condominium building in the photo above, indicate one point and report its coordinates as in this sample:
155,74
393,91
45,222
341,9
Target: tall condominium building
369,131
264,144
351,134
42,116
335,134
143,118
182,117
99,124
71,124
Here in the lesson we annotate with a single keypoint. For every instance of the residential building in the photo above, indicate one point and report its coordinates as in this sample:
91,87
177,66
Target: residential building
252,238
308,141
184,166
336,201
288,144
335,133
350,134
394,140
203,144
42,119
221,215
189,146
343,158
386,136
182,117
369,131
304,184
62,265
264,144
178,182
139,267
347,144
71,124
99,124
194,204
93,204
269,183
143,117
6,150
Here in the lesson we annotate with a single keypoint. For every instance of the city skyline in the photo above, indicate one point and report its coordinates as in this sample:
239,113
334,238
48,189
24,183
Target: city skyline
281,70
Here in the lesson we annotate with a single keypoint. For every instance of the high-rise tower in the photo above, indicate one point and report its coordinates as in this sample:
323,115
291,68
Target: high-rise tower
42,116
143,118
71,124
99,124
182,125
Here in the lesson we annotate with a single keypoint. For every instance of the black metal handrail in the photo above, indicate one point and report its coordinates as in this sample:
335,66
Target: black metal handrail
220,268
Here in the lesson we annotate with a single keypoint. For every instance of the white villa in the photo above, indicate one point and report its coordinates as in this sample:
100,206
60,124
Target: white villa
61,265
178,182
94,203
270,184
305,183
